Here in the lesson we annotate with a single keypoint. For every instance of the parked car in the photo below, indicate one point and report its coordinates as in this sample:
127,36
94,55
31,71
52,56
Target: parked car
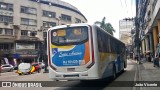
24,68
6,68
42,65
27,68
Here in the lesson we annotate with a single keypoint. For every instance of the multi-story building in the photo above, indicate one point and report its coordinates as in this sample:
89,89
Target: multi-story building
148,24
125,27
23,25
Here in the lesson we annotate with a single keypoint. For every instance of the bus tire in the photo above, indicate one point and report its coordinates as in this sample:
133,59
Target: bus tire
123,67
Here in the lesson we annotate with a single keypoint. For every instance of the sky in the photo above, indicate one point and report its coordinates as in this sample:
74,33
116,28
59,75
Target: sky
113,10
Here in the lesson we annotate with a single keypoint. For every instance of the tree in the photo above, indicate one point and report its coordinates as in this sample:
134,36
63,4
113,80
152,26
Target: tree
106,26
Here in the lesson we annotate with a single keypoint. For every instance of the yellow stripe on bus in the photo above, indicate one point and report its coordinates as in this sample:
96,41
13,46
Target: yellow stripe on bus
106,56
63,47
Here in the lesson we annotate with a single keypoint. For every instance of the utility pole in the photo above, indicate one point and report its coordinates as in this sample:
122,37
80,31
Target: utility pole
137,39
44,55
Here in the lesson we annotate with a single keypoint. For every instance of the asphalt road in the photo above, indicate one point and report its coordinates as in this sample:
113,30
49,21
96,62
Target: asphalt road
125,77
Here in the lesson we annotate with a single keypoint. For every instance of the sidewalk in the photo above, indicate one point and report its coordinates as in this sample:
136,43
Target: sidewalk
146,72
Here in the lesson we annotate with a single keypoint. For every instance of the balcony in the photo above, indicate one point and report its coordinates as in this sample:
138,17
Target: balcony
7,38
29,38
156,13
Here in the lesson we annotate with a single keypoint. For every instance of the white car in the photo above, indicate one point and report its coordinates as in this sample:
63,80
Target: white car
24,68
6,68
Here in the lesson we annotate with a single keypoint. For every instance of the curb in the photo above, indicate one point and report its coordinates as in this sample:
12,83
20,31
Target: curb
137,76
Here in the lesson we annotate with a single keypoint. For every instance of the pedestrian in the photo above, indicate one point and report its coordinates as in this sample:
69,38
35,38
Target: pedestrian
142,58
152,57
157,56
136,57
156,61
148,56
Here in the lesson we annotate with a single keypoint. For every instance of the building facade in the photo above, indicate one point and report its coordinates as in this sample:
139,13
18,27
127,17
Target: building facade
23,25
125,28
148,24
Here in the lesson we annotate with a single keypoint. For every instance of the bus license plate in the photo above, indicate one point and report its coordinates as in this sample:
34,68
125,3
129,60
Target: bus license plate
71,69
76,75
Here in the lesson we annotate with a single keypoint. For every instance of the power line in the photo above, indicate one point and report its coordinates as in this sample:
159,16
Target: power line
126,6
121,4
125,3
131,6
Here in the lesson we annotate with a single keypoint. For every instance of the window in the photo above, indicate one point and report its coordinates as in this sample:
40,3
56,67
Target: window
6,19
26,21
44,34
6,46
49,24
69,36
33,33
103,41
8,32
28,10
1,18
65,17
1,31
32,22
78,20
24,33
49,14
6,6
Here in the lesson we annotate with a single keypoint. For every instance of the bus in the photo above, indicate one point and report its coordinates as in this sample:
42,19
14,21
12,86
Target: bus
83,52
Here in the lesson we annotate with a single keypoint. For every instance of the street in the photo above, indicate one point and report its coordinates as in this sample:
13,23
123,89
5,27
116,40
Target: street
128,75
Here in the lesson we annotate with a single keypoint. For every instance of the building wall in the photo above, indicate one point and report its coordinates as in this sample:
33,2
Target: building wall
16,27
39,6
125,27
148,18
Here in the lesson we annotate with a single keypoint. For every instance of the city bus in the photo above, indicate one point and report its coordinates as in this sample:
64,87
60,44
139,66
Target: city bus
83,52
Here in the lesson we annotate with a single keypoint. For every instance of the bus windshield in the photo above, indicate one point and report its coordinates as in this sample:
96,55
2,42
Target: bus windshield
69,36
